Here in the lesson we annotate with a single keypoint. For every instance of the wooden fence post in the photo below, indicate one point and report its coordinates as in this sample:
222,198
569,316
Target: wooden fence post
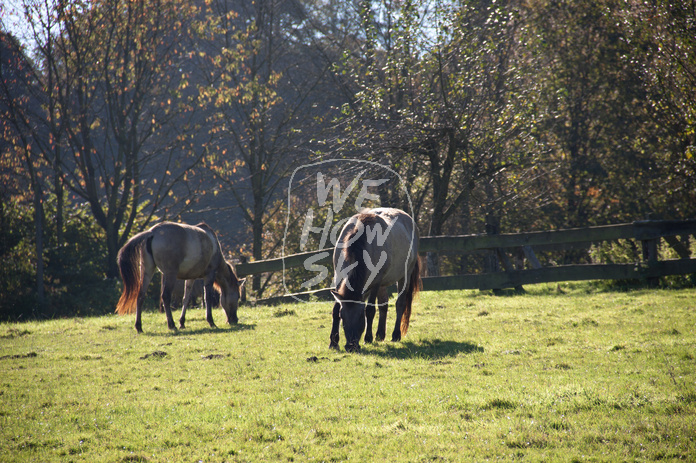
432,264
681,246
650,257
492,264
243,296
531,257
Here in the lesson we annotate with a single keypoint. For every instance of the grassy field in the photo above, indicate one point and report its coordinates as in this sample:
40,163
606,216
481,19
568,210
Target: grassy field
563,373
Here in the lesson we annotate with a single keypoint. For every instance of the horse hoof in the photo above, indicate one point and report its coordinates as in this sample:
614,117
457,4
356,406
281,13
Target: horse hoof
368,340
333,345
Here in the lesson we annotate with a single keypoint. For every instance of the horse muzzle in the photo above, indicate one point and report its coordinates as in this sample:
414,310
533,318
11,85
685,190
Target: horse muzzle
353,347
231,317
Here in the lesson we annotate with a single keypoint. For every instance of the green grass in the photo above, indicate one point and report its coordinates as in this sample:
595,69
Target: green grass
584,375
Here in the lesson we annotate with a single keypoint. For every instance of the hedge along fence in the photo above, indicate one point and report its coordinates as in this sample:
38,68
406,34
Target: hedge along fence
649,233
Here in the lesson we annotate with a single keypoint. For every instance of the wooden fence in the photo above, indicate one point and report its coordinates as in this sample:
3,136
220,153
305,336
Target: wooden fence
648,233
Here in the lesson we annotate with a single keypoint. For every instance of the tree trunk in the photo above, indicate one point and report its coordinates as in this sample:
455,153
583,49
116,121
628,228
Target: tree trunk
432,258
257,232
38,228
60,200
112,252
257,251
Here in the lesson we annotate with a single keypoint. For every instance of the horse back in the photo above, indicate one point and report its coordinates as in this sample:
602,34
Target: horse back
385,230
190,252
401,245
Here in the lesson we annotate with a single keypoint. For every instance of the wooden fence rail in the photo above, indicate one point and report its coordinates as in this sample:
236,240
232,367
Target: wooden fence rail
649,233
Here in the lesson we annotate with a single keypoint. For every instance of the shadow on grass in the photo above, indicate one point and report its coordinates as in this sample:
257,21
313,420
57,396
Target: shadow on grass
435,349
205,330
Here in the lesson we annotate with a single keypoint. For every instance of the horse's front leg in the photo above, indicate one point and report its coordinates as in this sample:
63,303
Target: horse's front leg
168,282
370,314
188,290
334,337
382,303
208,296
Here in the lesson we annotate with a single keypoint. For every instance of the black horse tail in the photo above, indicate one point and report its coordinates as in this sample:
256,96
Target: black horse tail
414,285
129,267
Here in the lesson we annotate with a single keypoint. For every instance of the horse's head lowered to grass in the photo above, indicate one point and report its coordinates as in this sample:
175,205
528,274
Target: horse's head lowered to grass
230,288
353,315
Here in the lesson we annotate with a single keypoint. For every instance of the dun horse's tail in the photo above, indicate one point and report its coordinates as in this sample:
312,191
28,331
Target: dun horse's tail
414,285
129,266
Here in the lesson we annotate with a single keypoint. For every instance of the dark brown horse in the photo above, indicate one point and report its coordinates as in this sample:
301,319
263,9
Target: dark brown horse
182,252
376,249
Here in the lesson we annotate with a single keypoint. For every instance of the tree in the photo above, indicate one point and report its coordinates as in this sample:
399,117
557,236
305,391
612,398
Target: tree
436,87
662,38
593,112
261,83
22,141
114,78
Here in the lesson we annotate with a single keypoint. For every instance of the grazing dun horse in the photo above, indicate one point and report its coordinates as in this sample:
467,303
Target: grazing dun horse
179,251
376,248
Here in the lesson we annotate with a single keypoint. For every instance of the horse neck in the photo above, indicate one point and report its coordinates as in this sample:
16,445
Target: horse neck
357,275
354,252
225,278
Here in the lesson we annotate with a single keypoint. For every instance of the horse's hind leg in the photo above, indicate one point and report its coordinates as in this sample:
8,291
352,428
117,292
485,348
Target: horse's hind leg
147,270
334,337
188,290
168,282
400,305
139,308
382,302
208,296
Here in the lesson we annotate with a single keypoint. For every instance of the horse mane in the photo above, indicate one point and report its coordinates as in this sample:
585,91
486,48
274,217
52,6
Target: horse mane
228,273
354,253
225,268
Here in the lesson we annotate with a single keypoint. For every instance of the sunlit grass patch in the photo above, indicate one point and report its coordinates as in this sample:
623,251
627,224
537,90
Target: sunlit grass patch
571,376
